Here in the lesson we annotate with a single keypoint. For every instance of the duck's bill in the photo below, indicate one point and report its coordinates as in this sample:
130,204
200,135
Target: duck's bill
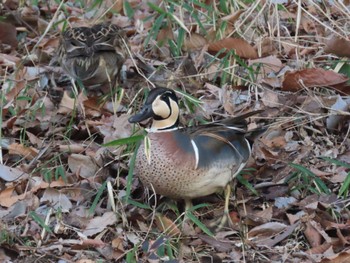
145,113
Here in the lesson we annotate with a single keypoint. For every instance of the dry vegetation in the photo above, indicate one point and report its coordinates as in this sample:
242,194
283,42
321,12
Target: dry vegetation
67,197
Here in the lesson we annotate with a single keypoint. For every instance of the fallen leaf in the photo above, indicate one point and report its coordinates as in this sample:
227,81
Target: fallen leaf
8,34
320,249
242,47
56,199
338,46
84,165
284,202
334,120
99,223
117,244
167,226
312,77
28,153
270,98
312,235
267,229
233,17
10,174
194,42
273,236
221,246
267,64
343,257
67,104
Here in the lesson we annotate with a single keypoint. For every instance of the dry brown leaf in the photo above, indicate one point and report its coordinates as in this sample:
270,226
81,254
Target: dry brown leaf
267,229
117,244
8,60
28,153
320,249
99,223
20,84
234,16
116,6
9,196
83,165
270,98
343,257
115,127
266,47
313,77
56,199
166,225
8,34
312,235
266,213
267,64
308,24
194,42
165,34
338,46
241,47
67,104
221,246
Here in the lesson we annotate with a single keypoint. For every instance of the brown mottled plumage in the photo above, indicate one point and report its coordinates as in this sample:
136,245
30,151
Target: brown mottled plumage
93,55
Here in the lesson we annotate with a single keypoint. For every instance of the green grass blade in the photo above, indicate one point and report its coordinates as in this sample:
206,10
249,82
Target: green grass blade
344,189
138,204
336,162
132,139
199,223
246,184
40,221
156,8
97,198
128,9
189,97
307,174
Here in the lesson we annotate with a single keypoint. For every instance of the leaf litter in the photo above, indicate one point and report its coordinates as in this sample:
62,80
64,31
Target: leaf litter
286,58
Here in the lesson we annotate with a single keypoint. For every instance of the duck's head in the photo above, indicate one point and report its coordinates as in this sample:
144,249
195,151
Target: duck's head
162,107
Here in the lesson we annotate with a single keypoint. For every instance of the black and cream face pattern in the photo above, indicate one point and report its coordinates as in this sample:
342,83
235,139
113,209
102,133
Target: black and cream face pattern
165,109
162,107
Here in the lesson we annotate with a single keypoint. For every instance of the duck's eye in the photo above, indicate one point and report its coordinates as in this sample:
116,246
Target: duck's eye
163,97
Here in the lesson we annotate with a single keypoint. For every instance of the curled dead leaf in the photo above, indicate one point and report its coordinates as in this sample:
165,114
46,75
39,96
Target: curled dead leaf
8,35
312,77
234,16
84,165
312,235
11,174
241,47
167,226
28,153
338,46
99,223
194,42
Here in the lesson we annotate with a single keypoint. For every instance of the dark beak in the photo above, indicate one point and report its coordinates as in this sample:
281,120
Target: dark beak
145,113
